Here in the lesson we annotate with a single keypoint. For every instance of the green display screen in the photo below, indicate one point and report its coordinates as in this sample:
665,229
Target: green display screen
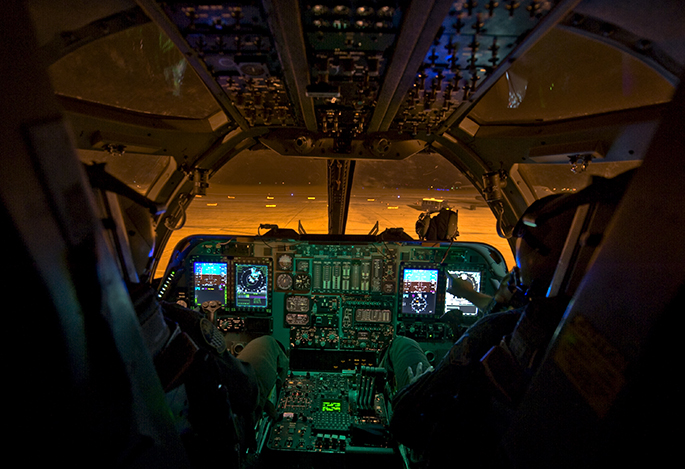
331,406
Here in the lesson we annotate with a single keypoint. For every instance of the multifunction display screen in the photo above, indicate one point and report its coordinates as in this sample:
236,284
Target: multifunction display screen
455,302
210,281
251,286
419,291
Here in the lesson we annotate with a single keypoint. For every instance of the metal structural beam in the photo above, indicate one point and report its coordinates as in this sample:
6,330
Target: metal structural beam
157,14
285,22
340,173
422,22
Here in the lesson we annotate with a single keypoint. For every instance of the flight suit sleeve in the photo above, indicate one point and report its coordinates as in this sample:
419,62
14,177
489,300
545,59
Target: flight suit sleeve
237,376
442,403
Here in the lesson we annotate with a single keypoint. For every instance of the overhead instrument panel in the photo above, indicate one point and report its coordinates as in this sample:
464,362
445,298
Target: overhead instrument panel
349,45
235,43
345,71
473,39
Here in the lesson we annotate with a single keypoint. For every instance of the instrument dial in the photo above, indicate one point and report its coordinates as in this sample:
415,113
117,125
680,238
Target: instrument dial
303,282
284,281
285,262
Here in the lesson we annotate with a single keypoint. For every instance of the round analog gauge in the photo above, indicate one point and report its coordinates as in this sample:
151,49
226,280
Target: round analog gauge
302,282
284,281
285,262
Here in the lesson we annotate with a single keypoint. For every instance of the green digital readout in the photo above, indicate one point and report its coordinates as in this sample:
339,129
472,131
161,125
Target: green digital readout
331,406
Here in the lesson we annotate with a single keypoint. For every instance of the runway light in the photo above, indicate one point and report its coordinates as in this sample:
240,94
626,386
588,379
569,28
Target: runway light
212,204
270,206
393,208
230,197
311,198
269,197
370,200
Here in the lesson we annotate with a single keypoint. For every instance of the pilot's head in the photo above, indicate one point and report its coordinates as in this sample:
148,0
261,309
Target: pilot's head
540,236
542,230
141,234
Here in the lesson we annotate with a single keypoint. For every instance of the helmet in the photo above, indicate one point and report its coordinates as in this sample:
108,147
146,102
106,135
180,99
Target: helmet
541,233
140,233
131,215
544,227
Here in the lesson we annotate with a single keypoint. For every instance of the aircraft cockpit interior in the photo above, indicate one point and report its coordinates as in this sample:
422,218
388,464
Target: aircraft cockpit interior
328,175
336,305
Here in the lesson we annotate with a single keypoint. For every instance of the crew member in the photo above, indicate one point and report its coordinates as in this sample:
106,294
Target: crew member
216,398
462,405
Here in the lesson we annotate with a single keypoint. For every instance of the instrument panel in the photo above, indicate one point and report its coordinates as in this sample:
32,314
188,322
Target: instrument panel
330,413
339,296
337,304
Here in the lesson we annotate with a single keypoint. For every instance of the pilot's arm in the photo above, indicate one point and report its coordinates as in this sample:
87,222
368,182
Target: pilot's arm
464,289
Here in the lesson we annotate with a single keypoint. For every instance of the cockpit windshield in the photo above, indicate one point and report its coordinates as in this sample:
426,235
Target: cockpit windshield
138,171
138,69
566,75
262,188
258,190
